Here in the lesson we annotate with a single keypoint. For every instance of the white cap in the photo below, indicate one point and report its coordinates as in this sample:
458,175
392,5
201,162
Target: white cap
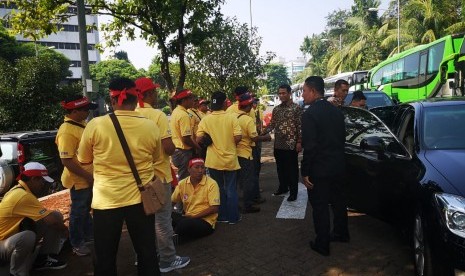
37,169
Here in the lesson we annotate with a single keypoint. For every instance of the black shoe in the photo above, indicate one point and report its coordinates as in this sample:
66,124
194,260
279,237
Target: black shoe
291,198
319,250
259,200
50,264
251,209
279,193
339,238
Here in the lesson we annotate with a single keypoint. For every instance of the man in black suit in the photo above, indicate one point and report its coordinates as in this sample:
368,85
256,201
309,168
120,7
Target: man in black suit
322,170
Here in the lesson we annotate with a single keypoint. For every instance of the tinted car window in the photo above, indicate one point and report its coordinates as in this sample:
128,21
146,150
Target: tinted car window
361,124
444,127
373,99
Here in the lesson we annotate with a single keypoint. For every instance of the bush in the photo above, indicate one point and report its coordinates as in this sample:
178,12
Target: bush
166,110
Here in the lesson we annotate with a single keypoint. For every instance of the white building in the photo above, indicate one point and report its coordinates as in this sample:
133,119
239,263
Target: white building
66,41
295,66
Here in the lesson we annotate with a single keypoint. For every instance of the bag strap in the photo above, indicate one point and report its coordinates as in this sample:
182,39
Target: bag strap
75,124
126,150
240,115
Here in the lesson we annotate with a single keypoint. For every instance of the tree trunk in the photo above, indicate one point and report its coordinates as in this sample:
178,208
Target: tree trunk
181,43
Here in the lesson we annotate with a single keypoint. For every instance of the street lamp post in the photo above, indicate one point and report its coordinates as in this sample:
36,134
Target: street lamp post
398,22
340,48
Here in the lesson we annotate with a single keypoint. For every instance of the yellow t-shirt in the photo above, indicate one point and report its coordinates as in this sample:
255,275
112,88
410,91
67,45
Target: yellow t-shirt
67,140
114,183
249,131
195,119
162,165
196,200
234,108
17,204
180,124
222,128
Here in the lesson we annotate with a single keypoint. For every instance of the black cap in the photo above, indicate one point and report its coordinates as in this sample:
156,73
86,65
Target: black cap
218,98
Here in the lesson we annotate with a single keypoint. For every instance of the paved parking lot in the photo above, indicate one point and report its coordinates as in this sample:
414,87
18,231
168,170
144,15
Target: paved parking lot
262,244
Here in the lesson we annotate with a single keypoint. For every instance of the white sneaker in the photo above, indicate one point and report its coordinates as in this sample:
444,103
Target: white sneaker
179,262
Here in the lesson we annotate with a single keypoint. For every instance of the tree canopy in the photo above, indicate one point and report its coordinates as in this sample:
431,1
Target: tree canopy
276,75
227,59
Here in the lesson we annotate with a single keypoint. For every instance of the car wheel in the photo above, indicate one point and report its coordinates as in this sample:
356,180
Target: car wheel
6,177
422,248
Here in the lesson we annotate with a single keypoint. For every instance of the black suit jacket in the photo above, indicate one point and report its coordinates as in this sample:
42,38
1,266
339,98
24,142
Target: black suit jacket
323,139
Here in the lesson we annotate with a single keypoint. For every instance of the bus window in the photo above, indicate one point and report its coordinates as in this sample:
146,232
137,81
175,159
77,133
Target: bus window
435,56
376,79
387,74
411,66
398,68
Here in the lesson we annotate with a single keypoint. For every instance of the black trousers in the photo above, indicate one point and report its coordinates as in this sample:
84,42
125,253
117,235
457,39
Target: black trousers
107,233
190,228
325,192
287,166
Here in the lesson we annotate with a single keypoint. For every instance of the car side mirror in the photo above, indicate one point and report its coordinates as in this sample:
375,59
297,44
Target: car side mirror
373,143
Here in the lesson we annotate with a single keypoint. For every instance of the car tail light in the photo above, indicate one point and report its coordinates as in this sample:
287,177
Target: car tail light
21,156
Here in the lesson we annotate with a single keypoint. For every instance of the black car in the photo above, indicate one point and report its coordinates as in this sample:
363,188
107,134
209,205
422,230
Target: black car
20,148
406,165
374,99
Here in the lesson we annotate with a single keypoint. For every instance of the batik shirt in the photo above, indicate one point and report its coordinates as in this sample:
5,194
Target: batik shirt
285,121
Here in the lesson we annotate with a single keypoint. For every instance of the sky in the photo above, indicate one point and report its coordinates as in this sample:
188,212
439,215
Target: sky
282,24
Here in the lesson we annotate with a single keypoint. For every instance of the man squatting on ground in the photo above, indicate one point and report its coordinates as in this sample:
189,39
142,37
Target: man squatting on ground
200,197
24,222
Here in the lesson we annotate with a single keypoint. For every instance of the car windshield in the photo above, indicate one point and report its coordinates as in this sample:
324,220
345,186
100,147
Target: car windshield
444,127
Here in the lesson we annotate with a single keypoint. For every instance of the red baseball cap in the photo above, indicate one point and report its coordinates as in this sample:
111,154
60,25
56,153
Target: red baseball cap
36,169
145,84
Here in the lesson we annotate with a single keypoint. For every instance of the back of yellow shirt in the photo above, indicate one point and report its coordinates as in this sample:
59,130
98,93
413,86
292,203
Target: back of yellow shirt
222,128
114,183
67,140
17,204
162,165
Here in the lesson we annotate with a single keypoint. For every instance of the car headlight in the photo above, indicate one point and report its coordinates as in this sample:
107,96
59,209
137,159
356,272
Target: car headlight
452,209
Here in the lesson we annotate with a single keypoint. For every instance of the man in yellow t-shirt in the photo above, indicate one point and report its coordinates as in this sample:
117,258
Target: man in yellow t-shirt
244,152
182,131
162,170
116,195
221,160
24,221
76,177
203,107
200,197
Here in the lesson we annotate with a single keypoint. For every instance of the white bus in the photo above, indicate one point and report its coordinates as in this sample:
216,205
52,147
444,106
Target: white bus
356,80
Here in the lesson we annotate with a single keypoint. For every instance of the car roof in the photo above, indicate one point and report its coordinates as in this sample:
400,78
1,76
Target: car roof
14,136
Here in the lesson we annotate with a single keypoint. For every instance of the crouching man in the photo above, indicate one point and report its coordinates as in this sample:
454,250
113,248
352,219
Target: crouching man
200,197
24,221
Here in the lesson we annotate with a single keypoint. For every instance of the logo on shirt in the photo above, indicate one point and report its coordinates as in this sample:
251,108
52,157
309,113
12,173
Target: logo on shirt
41,212
185,197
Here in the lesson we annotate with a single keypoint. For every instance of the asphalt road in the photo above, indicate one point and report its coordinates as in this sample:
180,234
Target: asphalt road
262,244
